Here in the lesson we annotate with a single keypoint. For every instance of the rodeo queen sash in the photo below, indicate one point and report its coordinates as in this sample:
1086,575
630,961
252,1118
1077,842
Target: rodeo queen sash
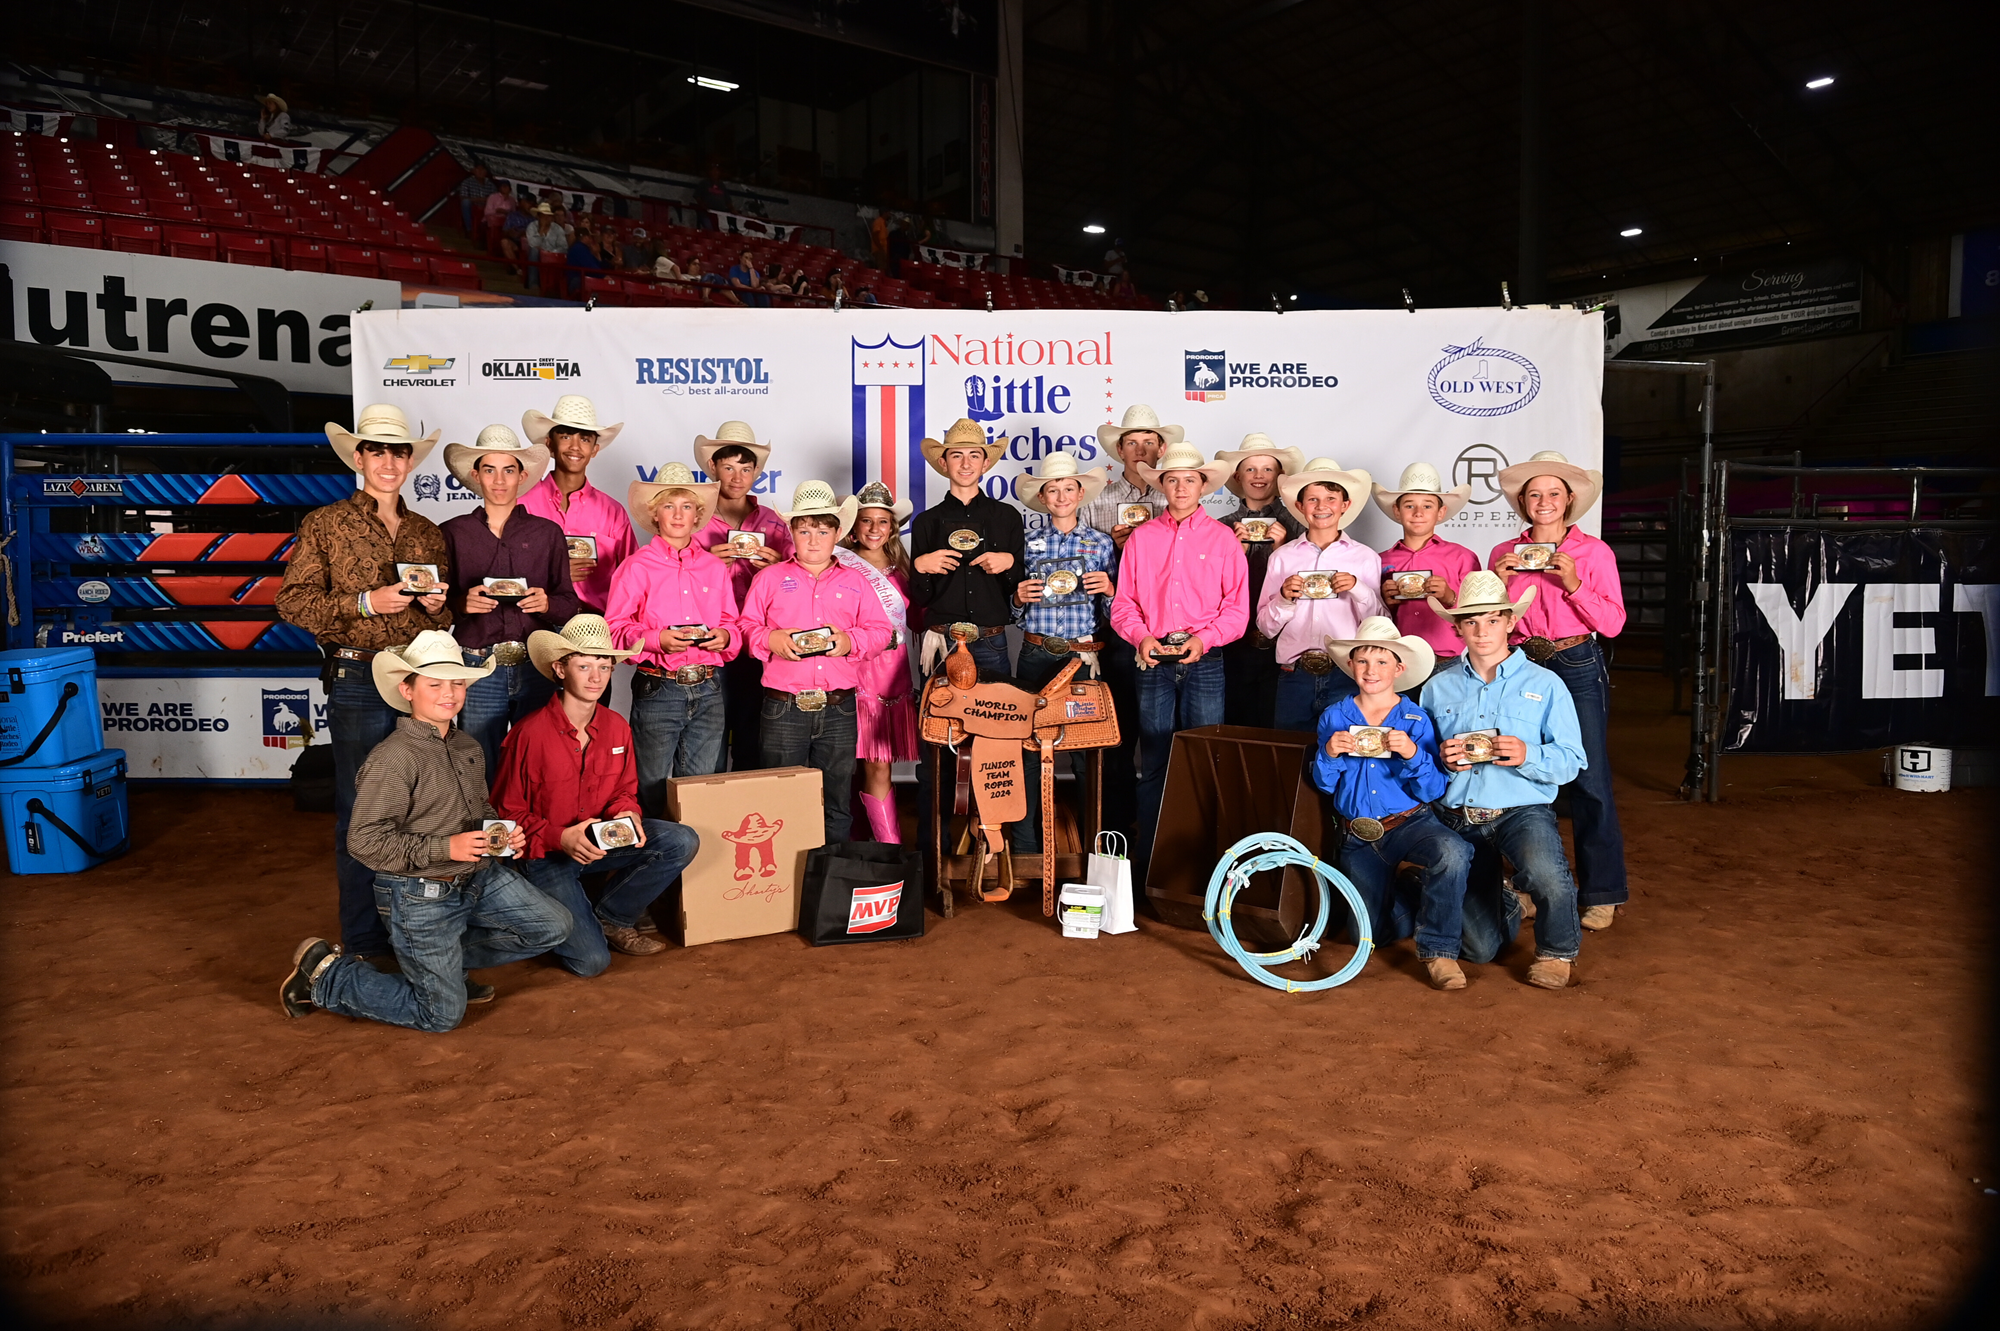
893,601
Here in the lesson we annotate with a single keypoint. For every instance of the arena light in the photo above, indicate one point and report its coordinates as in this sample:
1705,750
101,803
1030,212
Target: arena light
1093,229
1823,81
715,85
1632,231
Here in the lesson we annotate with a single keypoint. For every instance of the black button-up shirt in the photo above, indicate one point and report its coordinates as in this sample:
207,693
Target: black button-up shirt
967,594
529,548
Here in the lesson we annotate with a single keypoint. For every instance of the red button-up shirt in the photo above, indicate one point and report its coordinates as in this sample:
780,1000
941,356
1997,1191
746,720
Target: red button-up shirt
549,781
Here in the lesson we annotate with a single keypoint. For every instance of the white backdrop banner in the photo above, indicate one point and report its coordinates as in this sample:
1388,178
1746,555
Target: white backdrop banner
847,396
217,727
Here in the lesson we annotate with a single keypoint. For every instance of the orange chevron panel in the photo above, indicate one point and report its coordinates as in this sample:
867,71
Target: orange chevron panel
179,545
230,490
250,546
201,591
237,634
264,591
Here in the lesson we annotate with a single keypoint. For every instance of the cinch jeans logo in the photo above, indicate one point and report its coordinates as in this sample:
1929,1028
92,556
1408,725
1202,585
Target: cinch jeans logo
873,909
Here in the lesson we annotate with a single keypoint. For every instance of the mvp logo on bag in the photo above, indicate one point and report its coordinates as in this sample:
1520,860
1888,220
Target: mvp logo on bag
873,909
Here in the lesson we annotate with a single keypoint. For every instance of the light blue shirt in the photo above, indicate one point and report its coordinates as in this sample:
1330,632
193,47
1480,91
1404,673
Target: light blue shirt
1523,700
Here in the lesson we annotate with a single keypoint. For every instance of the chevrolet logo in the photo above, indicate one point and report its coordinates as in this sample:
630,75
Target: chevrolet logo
419,364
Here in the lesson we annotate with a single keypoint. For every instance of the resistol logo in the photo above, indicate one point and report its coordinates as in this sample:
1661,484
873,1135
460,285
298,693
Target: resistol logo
552,369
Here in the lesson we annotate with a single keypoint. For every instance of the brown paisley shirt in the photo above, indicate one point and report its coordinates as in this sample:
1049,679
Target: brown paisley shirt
344,550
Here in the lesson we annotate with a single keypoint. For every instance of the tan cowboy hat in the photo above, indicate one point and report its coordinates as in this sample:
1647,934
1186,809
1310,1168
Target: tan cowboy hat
1421,478
272,99
877,495
1183,457
462,460
1259,445
543,210
1352,479
433,653
585,634
1379,631
379,424
1059,466
1139,416
738,433
815,499
573,411
964,433
641,496
1585,486
1481,593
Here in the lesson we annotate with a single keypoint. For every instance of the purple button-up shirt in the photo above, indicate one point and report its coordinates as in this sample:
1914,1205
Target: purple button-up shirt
1302,625
1180,576
660,587
589,512
1596,606
528,548
1416,618
777,536
785,596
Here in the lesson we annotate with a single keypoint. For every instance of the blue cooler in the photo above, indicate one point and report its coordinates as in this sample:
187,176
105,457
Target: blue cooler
64,819
49,713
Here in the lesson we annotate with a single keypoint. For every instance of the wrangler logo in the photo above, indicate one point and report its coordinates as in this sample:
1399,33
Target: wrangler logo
873,909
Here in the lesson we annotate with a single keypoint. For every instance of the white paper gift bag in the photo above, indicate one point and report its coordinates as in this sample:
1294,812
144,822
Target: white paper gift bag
1111,870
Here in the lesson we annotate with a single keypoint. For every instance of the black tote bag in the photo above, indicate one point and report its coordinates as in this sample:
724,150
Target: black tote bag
862,892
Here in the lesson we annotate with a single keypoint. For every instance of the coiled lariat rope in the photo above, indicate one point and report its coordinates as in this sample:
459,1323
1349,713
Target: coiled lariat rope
1272,850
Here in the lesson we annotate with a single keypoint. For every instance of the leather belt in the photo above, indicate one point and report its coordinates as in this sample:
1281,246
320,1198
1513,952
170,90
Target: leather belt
968,632
1374,829
1540,649
687,674
350,654
1055,646
1313,660
1474,816
504,653
812,700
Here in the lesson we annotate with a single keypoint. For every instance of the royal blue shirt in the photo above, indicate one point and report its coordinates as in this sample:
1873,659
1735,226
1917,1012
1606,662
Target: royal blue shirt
1378,787
1523,700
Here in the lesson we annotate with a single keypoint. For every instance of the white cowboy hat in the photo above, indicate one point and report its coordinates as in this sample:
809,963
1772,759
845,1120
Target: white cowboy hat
272,99
1421,478
1320,470
1481,593
462,460
1183,457
585,634
1585,486
1139,416
1259,445
964,433
433,653
573,411
875,494
815,499
379,423
1379,631
738,433
1059,466
641,496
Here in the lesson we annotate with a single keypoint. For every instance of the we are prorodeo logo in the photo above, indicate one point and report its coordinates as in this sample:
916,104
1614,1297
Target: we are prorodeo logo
1478,380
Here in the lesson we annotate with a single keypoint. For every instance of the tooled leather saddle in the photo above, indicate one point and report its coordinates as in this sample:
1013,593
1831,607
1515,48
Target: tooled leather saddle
988,726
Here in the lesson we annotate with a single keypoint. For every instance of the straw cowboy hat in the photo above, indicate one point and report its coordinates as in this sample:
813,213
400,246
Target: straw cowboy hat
272,99
434,654
462,460
964,433
738,433
1259,445
585,634
814,499
877,495
1320,470
1421,478
642,496
573,411
1139,416
1481,593
1059,466
1378,631
1585,486
379,424
1183,457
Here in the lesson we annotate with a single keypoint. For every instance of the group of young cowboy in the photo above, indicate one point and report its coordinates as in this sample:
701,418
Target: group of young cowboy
470,690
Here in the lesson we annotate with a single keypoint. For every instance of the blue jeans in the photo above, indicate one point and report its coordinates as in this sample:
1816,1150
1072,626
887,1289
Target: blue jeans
990,655
441,931
1032,669
495,704
1171,698
1304,697
1527,836
676,731
1121,765
638,875
1600,843
824,739
357,720
743,703
1445,858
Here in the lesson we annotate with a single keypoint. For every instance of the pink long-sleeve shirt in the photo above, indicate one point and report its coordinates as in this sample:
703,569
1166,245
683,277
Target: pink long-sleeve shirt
1596,606
1302,625
1444,559
1182,576
589,512
777,536
786,596
660,587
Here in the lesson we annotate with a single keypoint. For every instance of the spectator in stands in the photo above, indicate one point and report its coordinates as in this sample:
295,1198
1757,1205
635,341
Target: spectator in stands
866,296
274,118
548,248
836,287
714,286
514,233
779,282
713,198
664,267
878,240
635,252
748,280
473,192
1122,288
1114,259
585,254
495,213
901,245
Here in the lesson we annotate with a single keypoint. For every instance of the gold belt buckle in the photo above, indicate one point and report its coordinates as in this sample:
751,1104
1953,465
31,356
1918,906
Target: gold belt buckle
1317,661
1055,646
1368,829
963,631
810,700
1539,649
690,674
510,653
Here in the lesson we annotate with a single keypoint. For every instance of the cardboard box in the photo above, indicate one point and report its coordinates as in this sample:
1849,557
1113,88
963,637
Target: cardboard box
755,830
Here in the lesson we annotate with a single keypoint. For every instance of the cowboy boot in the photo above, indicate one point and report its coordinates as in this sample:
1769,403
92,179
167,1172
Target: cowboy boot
882,819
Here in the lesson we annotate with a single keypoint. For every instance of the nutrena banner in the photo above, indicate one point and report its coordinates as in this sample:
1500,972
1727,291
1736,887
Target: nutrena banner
848,396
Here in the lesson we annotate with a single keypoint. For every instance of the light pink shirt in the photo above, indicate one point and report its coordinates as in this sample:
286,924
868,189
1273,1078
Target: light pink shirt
1596,606
1416,618
1187,576
785,596
660,587
1302,625
589,512
777,536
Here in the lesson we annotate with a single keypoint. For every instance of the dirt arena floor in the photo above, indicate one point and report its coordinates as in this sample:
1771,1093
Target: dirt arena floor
1760,1106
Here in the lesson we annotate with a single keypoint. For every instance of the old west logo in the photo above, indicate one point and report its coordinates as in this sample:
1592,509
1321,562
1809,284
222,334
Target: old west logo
873,909
550,369
1478,380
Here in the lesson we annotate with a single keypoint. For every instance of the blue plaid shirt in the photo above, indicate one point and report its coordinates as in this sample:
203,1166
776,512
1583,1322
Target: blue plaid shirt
1085,549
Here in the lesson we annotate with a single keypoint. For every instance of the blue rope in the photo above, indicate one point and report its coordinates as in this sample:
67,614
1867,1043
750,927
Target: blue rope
1270,850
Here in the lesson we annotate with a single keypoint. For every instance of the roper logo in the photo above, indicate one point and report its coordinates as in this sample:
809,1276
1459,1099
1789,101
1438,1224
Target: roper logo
287,718
419,363
1206,375
1479,466
873,909
1478,380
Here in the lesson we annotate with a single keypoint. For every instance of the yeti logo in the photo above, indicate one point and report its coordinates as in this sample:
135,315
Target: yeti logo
428,487
1206,375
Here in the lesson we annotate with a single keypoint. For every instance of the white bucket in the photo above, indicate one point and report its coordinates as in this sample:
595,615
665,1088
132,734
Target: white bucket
1082,910
1921,767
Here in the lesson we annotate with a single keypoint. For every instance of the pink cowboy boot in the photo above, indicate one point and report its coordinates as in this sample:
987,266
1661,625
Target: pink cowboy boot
882,819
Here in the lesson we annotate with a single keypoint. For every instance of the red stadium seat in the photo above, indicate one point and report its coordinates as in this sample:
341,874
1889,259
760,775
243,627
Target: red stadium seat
306,256
463,273
238,247
605,289
57,197
351,261
77,230
189,242
400,267
213,215
131,236
170,210
643,294
21,224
